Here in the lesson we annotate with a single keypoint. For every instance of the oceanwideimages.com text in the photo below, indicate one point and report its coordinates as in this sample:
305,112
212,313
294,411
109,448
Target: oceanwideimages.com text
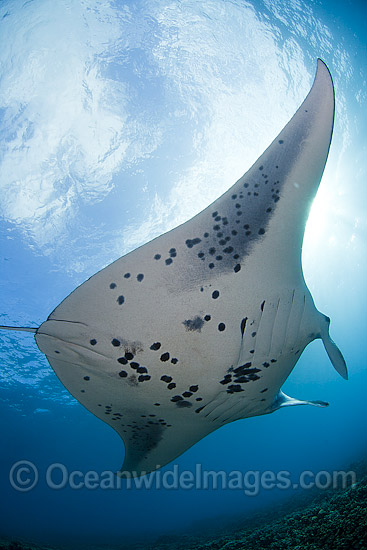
24,476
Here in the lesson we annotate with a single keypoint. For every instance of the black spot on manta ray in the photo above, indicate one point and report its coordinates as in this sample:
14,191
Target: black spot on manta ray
226,380
183,404
86,378
215,294
166,378
157,257
169,261
165,356
127,275
221,327
245,369
123,374
140,277
242,379
194,388
116,343
93,342
129,356
174,360
144,377
122,360
192,242
194,324
243,325
120,300
234,388
155,346
113,285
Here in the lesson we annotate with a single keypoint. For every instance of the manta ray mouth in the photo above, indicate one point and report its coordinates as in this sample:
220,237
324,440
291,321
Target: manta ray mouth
68,341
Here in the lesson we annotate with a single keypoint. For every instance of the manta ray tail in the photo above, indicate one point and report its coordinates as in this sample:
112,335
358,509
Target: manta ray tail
22,329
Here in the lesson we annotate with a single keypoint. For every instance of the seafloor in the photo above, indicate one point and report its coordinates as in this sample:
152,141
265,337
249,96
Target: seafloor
327,520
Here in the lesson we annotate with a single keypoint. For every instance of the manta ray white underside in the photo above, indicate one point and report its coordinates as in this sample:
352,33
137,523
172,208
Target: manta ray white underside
202,326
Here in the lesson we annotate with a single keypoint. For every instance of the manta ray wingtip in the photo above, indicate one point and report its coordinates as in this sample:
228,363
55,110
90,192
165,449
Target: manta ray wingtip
321,61
322,65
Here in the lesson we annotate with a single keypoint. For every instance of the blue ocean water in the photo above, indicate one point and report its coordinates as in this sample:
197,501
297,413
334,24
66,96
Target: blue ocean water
120,120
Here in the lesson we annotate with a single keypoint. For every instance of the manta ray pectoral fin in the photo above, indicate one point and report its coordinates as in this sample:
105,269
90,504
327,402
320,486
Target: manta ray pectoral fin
334,353
283,400
335,356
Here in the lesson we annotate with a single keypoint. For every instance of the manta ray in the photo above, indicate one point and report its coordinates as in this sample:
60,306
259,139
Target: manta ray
202,325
